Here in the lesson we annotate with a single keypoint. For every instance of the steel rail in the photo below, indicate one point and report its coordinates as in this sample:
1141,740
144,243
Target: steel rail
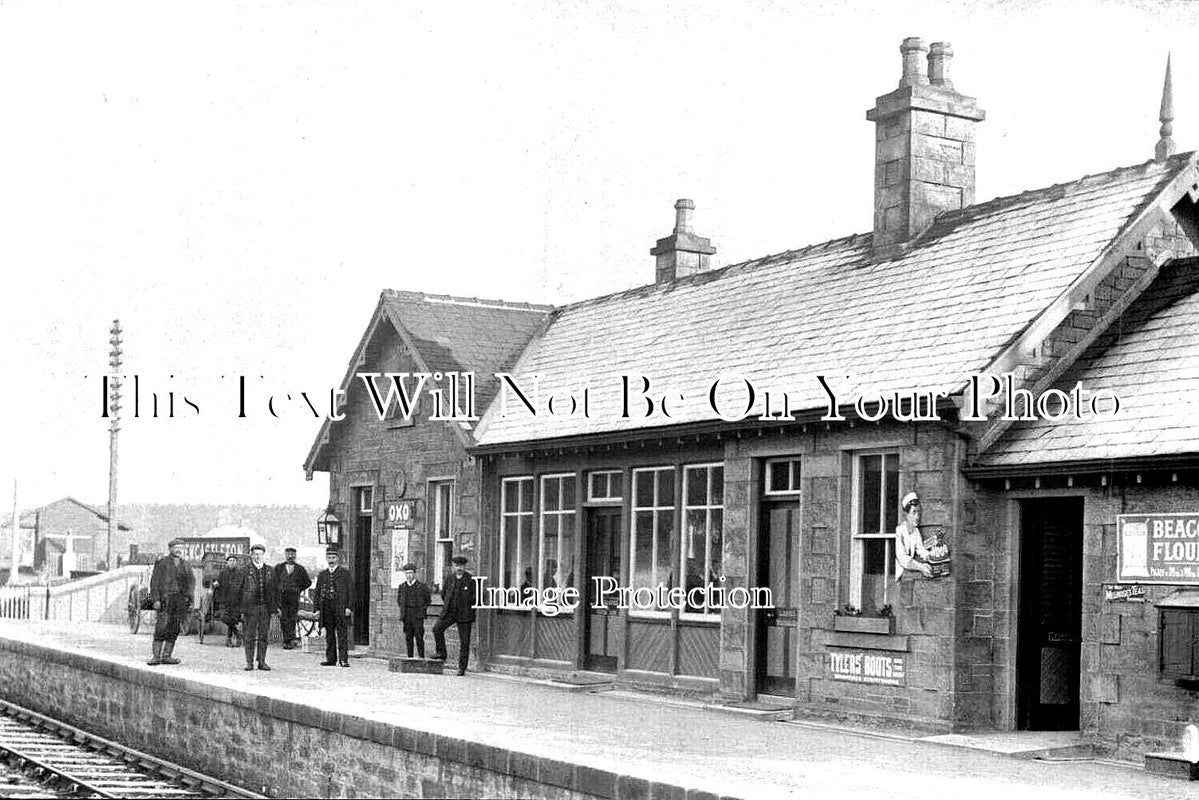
85,743
55,773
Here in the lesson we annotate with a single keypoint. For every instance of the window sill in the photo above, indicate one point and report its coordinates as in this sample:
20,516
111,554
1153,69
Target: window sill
875,625
862,641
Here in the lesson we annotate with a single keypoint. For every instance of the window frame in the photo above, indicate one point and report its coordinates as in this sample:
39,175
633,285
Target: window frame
560,513
794,477
858,539
440,558
709,615
673,508
524,483
608,498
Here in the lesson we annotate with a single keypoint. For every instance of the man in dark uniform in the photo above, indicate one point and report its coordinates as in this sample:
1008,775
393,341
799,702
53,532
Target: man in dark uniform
171,588
334,598
259,595
413,598
292,579
459,609
224,600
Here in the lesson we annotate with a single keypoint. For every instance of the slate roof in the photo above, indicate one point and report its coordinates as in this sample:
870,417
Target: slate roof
923,321
466,333
447,333
28,518
1150,359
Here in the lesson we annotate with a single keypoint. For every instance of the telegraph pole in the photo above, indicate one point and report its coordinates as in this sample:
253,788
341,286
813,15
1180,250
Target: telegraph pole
16,537
114,425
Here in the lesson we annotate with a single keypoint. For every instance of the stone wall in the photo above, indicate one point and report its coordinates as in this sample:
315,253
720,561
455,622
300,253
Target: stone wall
286,749
1127,708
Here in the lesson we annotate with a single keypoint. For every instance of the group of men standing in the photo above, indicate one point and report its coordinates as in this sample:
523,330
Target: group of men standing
245,596
250,595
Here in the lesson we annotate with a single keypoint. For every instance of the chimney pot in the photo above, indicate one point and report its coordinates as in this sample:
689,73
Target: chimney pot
915,62
682,215
939,56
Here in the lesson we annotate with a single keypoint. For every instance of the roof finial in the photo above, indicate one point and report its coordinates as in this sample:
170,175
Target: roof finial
1165,145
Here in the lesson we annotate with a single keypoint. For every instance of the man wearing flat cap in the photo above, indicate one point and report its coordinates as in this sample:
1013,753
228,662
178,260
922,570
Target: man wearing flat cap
171,589
292,579
259,596
413,599
334,599
459,609
911,556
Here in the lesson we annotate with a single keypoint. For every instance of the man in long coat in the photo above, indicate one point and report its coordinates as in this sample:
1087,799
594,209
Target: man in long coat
413,599
171,588
334,598
259,597
459,609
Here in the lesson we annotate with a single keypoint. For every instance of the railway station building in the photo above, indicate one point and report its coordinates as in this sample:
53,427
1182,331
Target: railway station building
1024,366
403,487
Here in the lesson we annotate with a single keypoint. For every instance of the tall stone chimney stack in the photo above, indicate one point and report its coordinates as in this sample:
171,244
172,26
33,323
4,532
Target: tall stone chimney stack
682,253
924,147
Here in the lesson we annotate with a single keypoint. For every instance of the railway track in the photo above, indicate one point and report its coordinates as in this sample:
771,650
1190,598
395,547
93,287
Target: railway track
79,764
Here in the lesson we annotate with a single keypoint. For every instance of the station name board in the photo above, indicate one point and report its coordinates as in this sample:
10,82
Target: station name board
866,666
195,548
1158,548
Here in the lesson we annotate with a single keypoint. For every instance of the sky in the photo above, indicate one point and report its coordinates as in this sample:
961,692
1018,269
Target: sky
238,182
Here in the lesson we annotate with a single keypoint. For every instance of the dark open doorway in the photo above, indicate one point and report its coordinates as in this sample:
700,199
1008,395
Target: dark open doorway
1048,640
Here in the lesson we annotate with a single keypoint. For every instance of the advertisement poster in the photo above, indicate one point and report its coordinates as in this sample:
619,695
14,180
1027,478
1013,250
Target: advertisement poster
1159,548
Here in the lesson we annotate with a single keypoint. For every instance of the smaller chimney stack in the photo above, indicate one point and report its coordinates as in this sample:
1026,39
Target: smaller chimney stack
682,253
915,58
939,56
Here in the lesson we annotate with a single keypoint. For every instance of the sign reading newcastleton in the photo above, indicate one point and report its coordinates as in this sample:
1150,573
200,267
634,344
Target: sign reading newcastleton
1158,548
865,666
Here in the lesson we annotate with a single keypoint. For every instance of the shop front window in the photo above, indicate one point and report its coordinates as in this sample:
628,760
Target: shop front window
703,532
557,562
875,515
516,534
653,529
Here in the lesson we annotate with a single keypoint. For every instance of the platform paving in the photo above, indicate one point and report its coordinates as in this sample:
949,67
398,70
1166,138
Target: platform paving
688,744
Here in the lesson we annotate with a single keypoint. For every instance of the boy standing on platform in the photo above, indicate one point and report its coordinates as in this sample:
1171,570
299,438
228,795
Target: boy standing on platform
413,599
334,597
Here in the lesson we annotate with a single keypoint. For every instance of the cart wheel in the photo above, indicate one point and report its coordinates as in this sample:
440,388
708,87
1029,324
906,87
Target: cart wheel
135,610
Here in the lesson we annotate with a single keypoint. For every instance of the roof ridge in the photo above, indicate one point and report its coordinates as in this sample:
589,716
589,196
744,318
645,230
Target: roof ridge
400,294
718,272
1031,194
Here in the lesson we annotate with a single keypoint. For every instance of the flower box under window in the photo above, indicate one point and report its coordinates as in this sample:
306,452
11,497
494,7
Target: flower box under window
849,624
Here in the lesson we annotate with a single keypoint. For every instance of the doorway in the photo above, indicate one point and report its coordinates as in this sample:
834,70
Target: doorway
1048,642
362,566
777,628
601,637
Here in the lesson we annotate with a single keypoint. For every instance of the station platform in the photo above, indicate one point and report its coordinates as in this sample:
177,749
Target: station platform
302,730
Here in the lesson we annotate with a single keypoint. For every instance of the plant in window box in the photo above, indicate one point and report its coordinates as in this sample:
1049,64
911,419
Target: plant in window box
852,620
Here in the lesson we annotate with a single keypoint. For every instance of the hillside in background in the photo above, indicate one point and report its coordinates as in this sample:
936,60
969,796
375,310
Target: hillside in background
153,525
